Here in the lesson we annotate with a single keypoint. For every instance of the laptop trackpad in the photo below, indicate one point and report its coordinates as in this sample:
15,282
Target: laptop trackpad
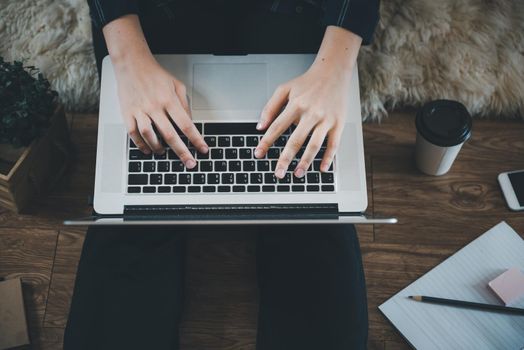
227,86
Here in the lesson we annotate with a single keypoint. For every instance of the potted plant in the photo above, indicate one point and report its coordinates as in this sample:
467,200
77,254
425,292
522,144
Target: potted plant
34,138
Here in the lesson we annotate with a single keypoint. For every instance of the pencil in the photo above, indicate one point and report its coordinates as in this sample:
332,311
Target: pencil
469,304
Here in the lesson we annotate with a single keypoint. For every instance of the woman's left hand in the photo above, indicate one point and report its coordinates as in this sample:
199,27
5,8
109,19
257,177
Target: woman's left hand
317,102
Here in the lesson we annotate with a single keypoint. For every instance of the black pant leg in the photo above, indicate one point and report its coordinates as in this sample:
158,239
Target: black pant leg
312,289
128,291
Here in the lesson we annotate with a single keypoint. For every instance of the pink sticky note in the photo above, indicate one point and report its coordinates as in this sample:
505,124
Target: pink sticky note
509,286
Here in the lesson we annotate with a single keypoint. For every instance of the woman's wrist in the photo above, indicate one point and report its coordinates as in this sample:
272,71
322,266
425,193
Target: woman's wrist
125,41
338,51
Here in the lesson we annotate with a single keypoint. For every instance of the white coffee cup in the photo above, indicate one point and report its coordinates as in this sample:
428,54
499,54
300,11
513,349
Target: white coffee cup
442,128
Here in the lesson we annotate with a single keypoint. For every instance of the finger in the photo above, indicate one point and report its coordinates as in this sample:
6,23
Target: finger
181,92
312,148
295,141
174,141
273,106
134,135
148,134
333,141
185,124
281,124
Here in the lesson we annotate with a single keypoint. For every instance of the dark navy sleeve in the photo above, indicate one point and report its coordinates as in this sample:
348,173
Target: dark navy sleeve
104,11
358,16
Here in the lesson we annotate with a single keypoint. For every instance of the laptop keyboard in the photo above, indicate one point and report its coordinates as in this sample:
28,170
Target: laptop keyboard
230,166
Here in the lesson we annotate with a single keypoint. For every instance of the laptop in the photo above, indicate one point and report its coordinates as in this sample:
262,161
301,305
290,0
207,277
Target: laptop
228,185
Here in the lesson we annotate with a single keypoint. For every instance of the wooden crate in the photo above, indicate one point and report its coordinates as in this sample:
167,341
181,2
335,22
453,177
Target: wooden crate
39,166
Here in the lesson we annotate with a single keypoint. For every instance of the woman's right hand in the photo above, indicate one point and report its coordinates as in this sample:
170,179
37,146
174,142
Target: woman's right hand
149,95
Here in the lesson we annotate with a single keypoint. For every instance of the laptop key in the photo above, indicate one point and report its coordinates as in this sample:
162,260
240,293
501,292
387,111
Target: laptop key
253,188
211,141
206,165
268,188
256,178
281,141
228,178
221,165
248,165
133,189
149,189
155,179
270,178
246,153
164,189
170,179
193,169
231,153
131,144
273,165
160,156
199,179
163,166
184,179
293,165
299,180
273,153
137,179
213,178
177,166
327,177
238,141
135,167
208,189
179,189
263,165
224,141
135,154
286,179
313,178
193,189
313,188
235,165
149,167
297,188
171,154
202,155
217,153
251,141
283,188
328,188
239,188
242,178
224,189
316,165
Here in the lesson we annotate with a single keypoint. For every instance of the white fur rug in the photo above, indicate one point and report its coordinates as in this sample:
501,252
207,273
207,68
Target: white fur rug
467,50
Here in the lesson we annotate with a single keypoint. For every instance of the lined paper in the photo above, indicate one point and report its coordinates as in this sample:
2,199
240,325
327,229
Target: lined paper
464,276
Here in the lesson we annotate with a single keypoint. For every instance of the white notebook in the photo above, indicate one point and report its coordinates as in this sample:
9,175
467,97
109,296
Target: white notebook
464,276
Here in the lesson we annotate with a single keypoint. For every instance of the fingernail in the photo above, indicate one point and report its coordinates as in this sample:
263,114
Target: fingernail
280,172
324,167
258,153
204,149
299,172
190,164
259,125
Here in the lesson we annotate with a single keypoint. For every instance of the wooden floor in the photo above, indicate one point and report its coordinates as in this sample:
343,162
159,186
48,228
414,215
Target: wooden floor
437,216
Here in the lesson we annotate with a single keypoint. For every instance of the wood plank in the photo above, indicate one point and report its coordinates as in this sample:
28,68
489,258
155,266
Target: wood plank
28,254
68,251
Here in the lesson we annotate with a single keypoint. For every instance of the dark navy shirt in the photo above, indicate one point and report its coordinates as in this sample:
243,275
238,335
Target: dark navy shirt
358,16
